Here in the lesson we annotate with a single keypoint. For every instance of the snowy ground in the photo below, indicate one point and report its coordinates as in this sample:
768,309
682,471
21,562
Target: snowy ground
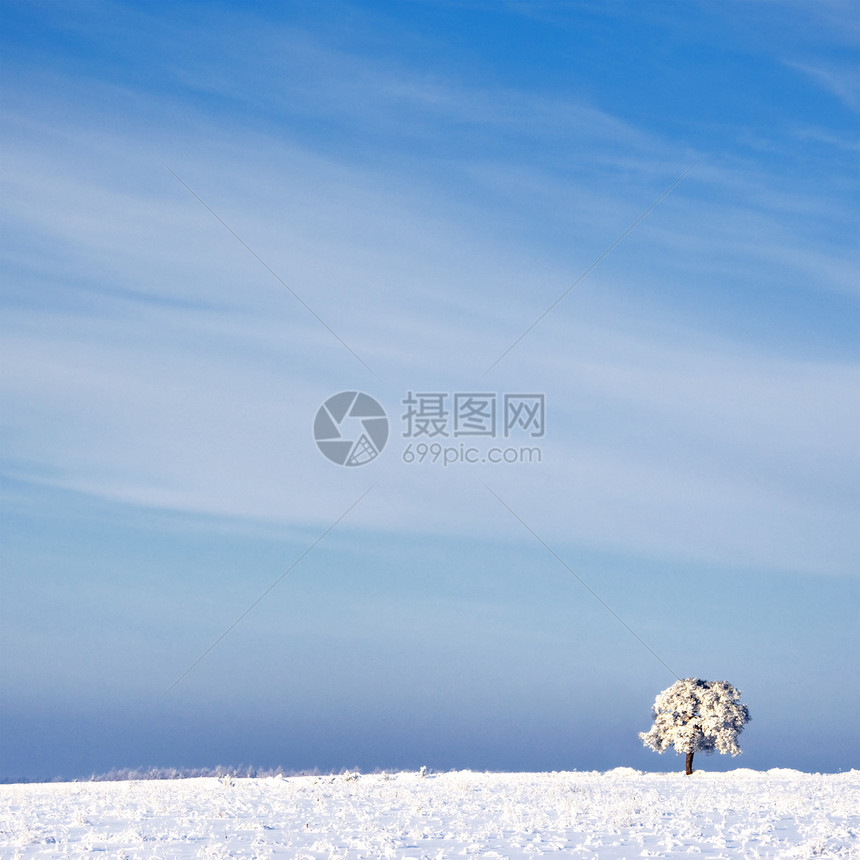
622,813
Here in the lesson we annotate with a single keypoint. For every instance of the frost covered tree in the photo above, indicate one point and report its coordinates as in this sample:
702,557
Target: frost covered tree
697,716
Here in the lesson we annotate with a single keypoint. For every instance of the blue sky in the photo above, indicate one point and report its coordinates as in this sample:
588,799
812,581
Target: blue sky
429,178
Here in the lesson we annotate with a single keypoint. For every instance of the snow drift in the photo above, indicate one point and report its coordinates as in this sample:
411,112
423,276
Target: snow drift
622,813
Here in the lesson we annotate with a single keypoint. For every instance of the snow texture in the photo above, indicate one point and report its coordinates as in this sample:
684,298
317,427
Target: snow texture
697,716
622,813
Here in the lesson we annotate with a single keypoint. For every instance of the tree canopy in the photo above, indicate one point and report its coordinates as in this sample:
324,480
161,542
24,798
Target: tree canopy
697,716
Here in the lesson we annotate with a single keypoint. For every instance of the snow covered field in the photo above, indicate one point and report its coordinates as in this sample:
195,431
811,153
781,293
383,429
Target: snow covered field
622,813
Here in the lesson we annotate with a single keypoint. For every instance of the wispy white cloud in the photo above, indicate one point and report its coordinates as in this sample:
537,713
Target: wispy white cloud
683,450
155,362
844,83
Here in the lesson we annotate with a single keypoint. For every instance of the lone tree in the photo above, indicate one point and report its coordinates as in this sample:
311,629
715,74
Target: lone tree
697,716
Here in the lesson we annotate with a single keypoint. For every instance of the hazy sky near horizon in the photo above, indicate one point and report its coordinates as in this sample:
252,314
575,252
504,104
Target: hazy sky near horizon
428,178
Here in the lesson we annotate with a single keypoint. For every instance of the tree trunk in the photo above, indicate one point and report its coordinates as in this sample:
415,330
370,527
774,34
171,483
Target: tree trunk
689,763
